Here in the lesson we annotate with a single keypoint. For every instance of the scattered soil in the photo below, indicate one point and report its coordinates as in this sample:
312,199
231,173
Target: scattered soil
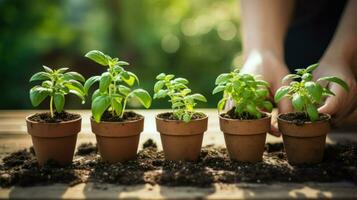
301,117
171,116
58,117
213,166
231,114
128,116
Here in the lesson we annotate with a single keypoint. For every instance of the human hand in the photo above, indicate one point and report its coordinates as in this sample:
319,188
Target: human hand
343,103
272,70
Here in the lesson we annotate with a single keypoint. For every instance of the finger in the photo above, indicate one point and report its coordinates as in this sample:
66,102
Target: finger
274,130
332,103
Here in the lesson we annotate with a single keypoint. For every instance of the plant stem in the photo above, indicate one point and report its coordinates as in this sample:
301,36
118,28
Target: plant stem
51,108
124,104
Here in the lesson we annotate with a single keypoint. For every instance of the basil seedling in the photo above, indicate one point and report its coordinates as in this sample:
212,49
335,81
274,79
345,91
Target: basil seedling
182,101
248,94
56,84
306,95
114,87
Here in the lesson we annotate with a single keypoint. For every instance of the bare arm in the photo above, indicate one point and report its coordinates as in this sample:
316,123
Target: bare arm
264,25
338,60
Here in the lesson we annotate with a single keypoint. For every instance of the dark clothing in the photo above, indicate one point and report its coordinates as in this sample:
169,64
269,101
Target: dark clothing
311,30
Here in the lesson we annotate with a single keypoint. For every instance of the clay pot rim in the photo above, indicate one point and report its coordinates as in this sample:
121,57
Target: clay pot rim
268,115
305,123
180,121
62,122
123,122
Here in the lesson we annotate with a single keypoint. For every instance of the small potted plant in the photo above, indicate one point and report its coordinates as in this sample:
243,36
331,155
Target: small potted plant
304,131
245,125
182,129
54,133
117,131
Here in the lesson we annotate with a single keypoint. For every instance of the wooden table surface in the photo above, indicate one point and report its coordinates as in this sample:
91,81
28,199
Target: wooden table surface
13,136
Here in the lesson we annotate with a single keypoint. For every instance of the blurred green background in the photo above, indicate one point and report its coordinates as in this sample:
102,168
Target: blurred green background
195,39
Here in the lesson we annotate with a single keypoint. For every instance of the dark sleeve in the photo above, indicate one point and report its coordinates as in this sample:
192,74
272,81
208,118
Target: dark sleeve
311,30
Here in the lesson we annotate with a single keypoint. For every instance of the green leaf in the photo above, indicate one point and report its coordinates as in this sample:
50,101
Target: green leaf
104,82
186,117
280,93
78,94
268,105
221,104
181,80
118,69
47,69
59,101
290,77
262,93
40,76
95,94
124,90
312,67
158,86
185,91
222,78
38,94
90,82
123,63
328,92
297,102
75,85
74,75
336,80
252,109
177,105
169,77
218,88
160,94
99,105
306,77
261,82
98,57
161,76
62,70
199,97
117,106
129,78
143,96
312,112
315,90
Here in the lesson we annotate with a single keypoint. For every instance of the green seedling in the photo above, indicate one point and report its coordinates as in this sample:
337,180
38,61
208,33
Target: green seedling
114,87
183,102
247,92
56,84
305,94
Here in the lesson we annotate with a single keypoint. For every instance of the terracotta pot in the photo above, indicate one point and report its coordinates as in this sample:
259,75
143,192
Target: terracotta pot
54,141
181,140
304,143
245,139
118,141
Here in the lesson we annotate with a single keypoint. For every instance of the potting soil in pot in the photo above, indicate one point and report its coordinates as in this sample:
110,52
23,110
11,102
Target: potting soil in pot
214,166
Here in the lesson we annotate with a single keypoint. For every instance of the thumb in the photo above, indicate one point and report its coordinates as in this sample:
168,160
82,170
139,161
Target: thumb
332,103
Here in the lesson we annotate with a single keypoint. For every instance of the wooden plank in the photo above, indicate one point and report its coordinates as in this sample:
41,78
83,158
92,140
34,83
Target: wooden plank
218,191
13,137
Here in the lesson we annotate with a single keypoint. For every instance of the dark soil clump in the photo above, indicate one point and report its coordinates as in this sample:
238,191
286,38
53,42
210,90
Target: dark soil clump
57,118
213,166
127,116
301,117
171,116
149,143
231,114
